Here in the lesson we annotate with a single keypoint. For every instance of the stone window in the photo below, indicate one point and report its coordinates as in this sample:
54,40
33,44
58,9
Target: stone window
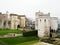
4,23
45,20
36,22
40,20
0,22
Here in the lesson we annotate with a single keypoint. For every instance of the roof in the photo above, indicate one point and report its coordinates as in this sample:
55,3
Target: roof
54,17
13,15
18,15
21,16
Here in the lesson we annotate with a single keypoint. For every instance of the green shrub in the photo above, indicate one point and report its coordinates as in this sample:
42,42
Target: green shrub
30,33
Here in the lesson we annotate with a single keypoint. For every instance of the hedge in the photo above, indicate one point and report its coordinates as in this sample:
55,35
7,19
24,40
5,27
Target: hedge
30,33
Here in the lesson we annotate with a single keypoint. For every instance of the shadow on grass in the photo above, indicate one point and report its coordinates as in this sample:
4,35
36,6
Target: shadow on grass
18,40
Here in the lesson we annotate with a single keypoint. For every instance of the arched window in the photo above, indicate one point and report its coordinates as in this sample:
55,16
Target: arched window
45,20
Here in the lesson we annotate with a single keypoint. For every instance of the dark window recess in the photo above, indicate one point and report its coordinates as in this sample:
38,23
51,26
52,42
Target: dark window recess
4,22
45,20
40,19
9,22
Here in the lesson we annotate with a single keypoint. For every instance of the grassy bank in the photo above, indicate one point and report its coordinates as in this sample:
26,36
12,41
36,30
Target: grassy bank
20,40
3,32
29,43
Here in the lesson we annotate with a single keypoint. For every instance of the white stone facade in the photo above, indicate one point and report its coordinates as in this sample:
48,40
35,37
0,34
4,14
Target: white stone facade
12,21
22,23
4,21
17,20
43,23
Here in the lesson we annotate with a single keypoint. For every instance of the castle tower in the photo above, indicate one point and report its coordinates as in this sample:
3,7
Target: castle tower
43,23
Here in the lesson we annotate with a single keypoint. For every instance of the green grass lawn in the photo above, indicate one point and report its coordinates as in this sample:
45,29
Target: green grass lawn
3,32
29,43
20,40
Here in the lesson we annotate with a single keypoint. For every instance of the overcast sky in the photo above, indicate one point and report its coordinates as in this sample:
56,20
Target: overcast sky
29,7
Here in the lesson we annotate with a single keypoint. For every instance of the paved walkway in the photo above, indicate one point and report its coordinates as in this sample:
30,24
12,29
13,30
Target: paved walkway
10,35
42,43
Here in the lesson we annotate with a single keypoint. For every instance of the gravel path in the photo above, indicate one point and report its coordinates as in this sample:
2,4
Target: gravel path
10,35
42,43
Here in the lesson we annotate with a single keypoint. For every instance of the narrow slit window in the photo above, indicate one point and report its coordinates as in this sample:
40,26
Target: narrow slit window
40,20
